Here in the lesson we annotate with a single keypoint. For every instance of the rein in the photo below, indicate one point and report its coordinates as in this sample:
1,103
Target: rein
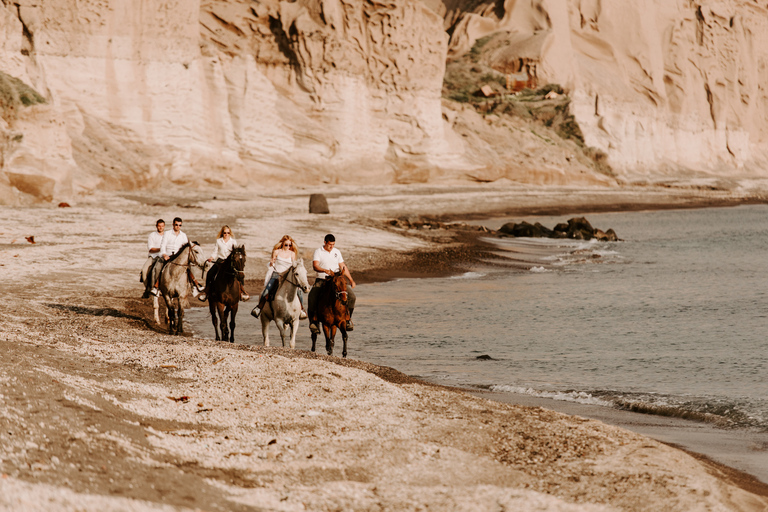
191,260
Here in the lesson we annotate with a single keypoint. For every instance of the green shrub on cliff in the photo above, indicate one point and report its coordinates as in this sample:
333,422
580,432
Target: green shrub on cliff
15,94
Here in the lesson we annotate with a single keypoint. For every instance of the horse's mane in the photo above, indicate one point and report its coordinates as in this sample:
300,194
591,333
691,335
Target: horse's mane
176,254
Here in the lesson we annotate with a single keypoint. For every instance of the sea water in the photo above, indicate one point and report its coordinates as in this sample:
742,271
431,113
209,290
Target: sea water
672,320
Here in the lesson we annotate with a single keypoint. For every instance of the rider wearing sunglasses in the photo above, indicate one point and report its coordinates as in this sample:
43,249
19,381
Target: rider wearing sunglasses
284,253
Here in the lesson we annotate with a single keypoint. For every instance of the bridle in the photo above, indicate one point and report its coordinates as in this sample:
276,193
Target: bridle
339,294
232,266
291,273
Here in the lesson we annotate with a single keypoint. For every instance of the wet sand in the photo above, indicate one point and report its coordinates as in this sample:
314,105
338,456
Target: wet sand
100,410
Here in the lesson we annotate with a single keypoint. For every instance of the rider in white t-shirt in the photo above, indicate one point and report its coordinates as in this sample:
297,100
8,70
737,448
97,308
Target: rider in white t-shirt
326,261
171,243
154,241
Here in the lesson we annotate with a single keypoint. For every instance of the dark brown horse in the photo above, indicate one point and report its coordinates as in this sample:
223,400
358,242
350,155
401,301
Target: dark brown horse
224,293
332,312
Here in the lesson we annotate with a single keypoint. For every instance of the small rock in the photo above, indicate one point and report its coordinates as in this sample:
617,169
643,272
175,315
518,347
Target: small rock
318,204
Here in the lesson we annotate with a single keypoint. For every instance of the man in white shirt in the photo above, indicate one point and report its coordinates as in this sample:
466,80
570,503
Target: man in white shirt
326,261
153,246
171,243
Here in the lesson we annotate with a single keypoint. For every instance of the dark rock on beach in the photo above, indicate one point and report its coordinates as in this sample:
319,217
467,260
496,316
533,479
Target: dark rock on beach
318,204
577,228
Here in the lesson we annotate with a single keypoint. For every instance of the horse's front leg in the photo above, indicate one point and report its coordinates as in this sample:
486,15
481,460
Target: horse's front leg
223,317
314,340
265,328
281,329
343,330
214,319
330,333
233,310
156,306
294,324
171,311
180,319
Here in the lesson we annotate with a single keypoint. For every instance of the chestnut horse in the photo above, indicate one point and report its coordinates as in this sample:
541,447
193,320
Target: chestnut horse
224,293
332,311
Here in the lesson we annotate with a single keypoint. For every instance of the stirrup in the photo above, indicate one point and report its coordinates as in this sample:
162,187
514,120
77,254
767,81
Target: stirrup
302,315
255,312
350,326
155,292
202,297
314,328
244,297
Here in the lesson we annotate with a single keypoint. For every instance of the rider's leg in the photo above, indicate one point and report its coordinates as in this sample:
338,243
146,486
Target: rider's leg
351,298
157,269
303,314
265,294
243,295
146,276
210,275
312,306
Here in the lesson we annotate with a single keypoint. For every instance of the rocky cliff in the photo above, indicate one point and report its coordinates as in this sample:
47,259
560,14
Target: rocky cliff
669,89
220,92
123,94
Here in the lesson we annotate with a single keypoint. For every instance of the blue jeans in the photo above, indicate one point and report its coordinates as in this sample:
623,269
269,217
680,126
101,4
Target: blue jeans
271,289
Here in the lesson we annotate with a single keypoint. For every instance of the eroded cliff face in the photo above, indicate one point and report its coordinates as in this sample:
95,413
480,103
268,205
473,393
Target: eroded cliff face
668,89
220,92
205,93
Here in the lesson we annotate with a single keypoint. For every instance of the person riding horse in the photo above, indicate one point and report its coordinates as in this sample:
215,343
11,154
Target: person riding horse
223,248
172,241
283,255
154,242
326,261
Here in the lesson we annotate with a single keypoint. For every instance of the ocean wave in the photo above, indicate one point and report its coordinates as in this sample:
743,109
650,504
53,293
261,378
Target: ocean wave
540,270
565,396
723,413
469,275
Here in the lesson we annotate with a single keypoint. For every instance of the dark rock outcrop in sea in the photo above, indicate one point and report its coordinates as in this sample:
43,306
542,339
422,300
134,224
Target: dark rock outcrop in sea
577,228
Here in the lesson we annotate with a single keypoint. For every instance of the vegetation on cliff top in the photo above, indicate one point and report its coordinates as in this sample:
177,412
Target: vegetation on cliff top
467,75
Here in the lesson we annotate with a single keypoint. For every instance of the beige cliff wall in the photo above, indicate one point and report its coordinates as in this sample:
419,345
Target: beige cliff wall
667,88
229,91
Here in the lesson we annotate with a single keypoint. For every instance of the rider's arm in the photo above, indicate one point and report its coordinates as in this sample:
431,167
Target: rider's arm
345,271
274,257
318,268
215,252
163,247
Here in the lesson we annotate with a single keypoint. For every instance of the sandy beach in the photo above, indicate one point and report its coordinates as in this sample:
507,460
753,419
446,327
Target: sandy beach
101,410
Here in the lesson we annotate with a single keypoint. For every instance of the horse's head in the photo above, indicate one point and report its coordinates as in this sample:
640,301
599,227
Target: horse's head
340,287
301,275
196,255
238,258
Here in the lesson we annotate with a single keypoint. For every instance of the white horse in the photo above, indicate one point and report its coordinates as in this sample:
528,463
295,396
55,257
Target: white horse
180,276
286,308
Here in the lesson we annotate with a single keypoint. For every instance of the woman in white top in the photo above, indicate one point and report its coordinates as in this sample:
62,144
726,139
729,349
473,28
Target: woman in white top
283,255
221,251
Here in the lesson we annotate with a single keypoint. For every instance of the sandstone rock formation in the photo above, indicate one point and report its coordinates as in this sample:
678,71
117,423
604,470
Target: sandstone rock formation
666,88
218,92
203,93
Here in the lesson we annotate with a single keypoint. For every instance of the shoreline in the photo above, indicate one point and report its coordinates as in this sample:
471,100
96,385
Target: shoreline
107,406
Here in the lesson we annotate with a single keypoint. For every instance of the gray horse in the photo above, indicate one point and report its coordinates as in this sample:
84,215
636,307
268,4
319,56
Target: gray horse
180,275
286,307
